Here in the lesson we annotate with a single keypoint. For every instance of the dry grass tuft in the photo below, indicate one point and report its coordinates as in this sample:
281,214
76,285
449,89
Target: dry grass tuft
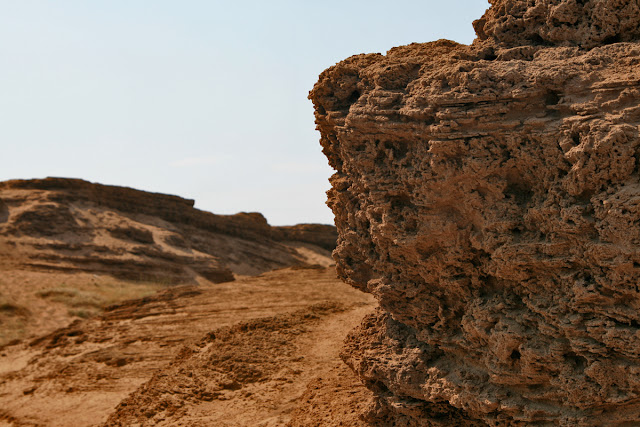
89,300
13,319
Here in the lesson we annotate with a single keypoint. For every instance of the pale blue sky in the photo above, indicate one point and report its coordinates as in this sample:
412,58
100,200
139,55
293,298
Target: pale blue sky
202,99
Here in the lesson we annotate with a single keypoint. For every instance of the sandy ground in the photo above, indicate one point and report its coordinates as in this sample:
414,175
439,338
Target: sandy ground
260,351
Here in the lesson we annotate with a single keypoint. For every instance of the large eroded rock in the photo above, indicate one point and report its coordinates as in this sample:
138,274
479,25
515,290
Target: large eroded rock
489,197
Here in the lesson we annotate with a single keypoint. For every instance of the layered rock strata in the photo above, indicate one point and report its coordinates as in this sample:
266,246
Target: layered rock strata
73,225
489,197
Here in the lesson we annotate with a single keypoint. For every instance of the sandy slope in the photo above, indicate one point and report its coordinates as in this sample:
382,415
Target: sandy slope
68,248
257,351
121,308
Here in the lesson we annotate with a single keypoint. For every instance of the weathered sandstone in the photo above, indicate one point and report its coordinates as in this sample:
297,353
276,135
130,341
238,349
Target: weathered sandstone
72,225
489,197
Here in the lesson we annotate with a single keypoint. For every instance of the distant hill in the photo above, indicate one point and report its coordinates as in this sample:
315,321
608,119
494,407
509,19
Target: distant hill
67,225
70,248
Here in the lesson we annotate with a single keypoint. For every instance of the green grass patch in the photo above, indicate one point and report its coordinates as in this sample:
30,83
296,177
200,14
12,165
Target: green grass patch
89,300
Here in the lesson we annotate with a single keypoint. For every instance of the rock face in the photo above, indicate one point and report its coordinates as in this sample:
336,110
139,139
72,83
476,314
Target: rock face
584,23
73,225
489,197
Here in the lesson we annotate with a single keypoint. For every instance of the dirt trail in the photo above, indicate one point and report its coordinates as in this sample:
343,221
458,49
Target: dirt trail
253,374
245,371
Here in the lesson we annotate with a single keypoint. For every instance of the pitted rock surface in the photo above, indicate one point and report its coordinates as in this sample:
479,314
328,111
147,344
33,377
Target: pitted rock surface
584,23
489,197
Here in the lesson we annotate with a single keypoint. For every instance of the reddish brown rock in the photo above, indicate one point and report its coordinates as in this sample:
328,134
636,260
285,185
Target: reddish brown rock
489,197
584,23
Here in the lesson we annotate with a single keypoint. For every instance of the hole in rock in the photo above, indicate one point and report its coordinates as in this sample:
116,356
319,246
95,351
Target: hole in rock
399,149
519,191
355,95
377,387
551,98
411,226
397,117
400,201
585,197
491,57
612,39
576,138
562,172
516,231
515,355
576,361
537,40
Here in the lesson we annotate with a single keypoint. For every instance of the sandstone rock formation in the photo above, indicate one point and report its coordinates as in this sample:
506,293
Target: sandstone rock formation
73,225
489,197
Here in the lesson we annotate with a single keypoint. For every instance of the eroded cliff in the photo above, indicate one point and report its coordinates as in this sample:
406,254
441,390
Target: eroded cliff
489,197
74,225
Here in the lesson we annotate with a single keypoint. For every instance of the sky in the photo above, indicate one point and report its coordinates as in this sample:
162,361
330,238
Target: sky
204,99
